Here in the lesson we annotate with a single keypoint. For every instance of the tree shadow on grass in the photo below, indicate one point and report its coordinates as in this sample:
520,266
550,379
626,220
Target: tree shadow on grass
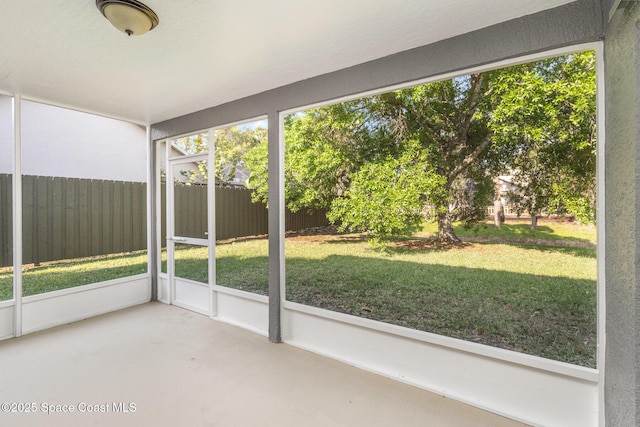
332,239
519,234
582,252
430,245
423,244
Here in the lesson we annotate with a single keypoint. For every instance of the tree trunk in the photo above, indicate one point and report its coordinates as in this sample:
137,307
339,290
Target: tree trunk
534,221
498,213
498,210
445,229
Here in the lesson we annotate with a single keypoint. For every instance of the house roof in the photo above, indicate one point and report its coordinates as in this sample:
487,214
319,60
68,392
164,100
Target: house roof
205,53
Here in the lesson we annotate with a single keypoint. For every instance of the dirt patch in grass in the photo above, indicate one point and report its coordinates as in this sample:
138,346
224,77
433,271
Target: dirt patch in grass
319,234
430,245
536,242
330,233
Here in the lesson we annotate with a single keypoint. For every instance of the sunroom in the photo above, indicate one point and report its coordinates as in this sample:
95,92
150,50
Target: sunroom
106,141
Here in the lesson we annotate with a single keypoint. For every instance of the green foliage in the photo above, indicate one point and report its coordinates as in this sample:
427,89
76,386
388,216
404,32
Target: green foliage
535,121
194,144
231,146
546,129
387,198
352,157
319,155
257,163
449,119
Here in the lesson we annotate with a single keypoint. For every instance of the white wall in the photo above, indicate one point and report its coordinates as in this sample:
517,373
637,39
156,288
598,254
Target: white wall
62,142
536,391
64,306
6,135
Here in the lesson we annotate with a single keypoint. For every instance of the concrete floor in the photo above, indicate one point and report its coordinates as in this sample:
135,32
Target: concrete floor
171,367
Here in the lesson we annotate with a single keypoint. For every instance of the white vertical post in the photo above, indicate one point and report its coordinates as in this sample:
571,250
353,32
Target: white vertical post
17,214
158,213
170,226
211,222
601,237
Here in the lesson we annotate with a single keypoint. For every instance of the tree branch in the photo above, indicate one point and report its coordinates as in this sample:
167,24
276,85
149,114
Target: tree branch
470,158
472,106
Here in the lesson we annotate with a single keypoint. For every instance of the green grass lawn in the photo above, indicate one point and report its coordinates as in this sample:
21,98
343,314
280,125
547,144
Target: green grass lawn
540,300
243,265
65,274
513,288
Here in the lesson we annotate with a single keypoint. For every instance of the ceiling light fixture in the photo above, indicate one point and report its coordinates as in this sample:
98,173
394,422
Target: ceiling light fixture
129,16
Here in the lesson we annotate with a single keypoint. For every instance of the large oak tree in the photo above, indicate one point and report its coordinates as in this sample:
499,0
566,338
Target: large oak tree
381,162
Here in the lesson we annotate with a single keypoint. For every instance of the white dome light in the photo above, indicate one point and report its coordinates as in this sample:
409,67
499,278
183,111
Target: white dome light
129,16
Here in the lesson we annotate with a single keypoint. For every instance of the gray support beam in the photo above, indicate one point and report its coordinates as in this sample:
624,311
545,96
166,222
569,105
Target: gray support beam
622,217
276,225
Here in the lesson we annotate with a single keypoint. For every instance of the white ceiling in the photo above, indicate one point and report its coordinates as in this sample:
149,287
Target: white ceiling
205,52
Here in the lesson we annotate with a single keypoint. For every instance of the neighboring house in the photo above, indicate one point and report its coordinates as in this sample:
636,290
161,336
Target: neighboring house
510,194
240,176
508,190
67,143
6,135
185,168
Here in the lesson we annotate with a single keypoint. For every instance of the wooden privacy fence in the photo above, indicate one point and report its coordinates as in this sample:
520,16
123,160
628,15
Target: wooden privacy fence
6,221
67,218
236,214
